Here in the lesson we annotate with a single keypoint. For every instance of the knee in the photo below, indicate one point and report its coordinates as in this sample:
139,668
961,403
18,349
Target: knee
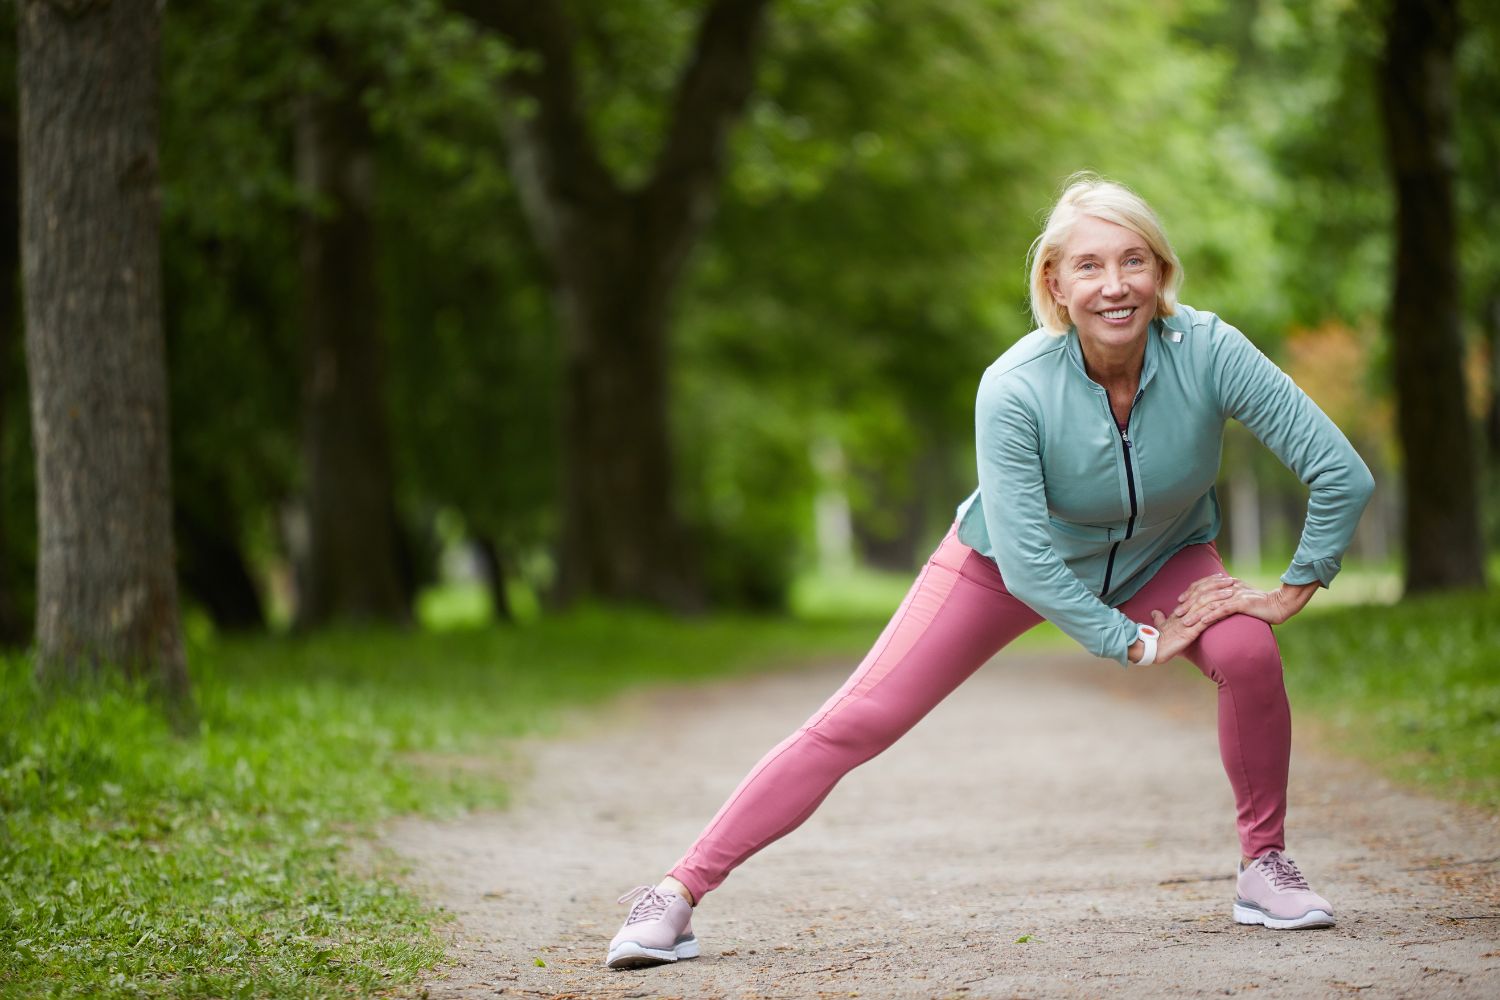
1241,651
859,729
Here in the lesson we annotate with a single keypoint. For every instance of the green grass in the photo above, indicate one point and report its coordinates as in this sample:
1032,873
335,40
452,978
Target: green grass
1412,687
135,862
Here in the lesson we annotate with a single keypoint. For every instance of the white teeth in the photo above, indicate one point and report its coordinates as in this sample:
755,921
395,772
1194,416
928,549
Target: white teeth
1117,313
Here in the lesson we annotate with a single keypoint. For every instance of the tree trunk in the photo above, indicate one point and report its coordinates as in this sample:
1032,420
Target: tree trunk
351,570
14,629
617,256
1441,535
622,537
91,262
492,572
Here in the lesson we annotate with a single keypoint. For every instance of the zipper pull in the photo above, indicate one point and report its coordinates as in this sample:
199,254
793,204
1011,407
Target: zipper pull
1125,436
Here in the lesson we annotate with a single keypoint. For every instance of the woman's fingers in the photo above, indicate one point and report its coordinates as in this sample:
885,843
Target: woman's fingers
1198,603
1212,612
1176,635
1208,588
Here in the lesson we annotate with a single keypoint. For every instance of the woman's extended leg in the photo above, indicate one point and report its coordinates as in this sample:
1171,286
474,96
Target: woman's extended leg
1240,655
955,617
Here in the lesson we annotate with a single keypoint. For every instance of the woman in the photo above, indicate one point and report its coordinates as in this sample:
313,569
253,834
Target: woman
1098,445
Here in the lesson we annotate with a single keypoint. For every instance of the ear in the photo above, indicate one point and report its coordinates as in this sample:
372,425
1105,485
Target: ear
1054,286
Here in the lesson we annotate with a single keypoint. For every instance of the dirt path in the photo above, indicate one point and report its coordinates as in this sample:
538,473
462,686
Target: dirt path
1059,828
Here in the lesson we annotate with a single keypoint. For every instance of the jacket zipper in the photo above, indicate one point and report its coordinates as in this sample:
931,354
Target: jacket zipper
1109,567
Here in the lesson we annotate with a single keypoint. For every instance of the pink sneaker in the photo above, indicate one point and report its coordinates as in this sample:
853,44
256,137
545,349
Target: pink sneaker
1273,892
658,929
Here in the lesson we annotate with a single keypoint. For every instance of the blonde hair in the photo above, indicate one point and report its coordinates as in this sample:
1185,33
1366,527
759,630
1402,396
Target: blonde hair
1088,194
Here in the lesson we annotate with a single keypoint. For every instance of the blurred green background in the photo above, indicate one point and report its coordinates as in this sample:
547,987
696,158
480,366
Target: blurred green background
827,333
803,312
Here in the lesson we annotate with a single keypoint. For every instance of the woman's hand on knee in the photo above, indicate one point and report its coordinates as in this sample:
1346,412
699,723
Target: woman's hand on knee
1175,635
1214,598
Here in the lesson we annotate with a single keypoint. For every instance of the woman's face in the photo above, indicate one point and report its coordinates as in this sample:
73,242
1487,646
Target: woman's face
1106,276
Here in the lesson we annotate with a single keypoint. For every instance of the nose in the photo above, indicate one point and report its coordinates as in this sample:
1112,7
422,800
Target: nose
1114,283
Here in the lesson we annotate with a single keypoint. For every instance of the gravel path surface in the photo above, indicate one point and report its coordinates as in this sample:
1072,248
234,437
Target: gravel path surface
1058,828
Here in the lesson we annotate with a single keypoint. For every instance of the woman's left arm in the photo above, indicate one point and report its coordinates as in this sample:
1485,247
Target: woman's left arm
1254,391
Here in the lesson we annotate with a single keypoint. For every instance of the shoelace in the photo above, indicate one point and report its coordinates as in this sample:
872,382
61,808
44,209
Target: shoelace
652,904
1282,871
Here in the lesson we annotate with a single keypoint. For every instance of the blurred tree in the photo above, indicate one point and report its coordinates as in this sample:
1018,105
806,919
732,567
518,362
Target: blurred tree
617,252
440,277
1310,70
1443,543
231,209
1479,209
350,569
15,623
868,261
863,267
106,588
474,363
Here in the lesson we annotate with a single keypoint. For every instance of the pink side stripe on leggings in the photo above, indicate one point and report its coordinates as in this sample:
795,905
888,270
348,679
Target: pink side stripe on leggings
955,617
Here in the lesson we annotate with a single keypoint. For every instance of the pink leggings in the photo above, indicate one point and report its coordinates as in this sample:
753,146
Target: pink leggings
956,616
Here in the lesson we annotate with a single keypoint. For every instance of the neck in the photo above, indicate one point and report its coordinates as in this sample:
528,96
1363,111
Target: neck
1115,367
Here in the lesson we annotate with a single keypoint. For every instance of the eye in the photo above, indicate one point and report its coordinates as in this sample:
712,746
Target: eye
1135,260
1088,266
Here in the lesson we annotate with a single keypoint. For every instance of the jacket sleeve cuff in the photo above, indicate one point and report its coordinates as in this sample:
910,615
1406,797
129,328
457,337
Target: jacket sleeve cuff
1319,571
1116,640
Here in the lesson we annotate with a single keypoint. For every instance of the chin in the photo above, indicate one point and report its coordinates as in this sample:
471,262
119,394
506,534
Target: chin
1116,336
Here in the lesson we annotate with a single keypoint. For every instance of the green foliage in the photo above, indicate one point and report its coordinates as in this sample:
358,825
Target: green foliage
629,56
1414,687
1479,151
135,862
864,266
463,316
1316,60
867,262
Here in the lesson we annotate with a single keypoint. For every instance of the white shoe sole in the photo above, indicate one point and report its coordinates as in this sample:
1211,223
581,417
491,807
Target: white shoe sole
631,955
1250,914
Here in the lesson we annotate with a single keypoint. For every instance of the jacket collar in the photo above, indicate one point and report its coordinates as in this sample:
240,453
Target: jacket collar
1157,329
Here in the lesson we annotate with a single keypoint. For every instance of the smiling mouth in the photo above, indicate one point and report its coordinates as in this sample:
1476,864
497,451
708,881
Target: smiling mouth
1117,313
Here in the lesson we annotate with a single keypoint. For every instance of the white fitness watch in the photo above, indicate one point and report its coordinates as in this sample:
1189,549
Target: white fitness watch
1148,636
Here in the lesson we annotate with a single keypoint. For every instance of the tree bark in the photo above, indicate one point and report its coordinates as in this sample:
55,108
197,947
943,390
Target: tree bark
622,536
617,257
91,263
14,628
351,570
1441,534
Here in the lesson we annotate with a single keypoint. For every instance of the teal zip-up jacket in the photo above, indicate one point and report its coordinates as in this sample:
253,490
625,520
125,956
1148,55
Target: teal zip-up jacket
1078,514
